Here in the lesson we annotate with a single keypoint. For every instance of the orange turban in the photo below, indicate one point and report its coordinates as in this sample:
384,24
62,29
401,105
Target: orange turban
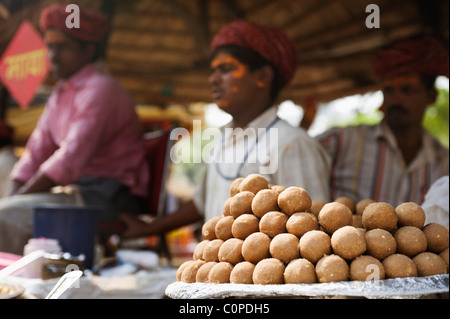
425,56
93,25
270,43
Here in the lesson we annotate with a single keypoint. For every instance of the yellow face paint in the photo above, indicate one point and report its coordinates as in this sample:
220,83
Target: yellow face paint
412,78
228,59
223,104
55,37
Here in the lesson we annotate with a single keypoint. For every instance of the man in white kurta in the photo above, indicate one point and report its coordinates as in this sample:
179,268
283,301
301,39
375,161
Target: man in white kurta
250,65
283,154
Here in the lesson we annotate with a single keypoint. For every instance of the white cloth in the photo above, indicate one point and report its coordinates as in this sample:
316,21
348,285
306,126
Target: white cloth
295,159
436,204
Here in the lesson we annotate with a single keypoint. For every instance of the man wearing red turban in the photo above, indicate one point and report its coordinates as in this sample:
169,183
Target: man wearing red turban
88,136
93,26
397,160
249,66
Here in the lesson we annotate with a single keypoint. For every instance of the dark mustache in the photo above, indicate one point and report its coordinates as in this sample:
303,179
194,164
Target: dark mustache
397,107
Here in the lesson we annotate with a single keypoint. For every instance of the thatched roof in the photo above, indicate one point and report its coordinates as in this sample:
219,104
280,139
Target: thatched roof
158,49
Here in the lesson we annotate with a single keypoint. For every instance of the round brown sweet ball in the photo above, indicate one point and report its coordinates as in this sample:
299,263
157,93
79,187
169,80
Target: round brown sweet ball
208,228
294,199
332,268
347,202
278,188
429,264
181,268
242,273
198,251
444,256
333,216
284,247
220,273
269,271
223,228
410,241
234,187
399,266
245,225
253,183
256,247
189,273
362,204
241,204
265,200
300,271
203,272
231,251
316,206
211,250
437,237
314,244
379,215
366,268
380,243
226,211
348,242
410,214
273,223
300,223
357,221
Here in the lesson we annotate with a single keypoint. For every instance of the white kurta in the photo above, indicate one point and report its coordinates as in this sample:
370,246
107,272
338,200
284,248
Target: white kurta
283,154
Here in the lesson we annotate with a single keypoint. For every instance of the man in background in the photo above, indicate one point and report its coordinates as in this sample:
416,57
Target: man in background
88,138
397,160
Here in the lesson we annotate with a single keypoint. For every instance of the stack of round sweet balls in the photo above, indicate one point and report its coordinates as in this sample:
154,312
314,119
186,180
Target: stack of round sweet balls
271,234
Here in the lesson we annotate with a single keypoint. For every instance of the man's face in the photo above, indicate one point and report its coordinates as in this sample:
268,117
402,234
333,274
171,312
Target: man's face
66,54
232,84
405,100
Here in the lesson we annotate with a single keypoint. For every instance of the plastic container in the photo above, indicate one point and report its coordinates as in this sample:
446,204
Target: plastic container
74,227
33,270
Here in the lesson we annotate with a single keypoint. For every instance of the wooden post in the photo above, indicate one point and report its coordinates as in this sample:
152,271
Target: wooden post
4,95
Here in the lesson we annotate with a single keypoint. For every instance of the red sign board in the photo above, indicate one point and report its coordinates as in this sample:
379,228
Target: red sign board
24,65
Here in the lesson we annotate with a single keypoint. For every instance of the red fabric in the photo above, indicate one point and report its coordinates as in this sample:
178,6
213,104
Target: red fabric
7,259
271,43
6,131
93,25
425,56
157,158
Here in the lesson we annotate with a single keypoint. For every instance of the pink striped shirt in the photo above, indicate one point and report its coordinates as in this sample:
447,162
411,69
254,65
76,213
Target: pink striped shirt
366,163
89,128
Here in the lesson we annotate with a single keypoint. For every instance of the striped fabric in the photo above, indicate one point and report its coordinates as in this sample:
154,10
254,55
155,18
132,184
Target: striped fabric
366,163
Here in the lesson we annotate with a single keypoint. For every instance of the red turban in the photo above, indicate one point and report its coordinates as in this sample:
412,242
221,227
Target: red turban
425,56
93,25
270,43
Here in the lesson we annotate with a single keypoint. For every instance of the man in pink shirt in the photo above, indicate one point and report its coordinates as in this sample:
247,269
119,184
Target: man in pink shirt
89,136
